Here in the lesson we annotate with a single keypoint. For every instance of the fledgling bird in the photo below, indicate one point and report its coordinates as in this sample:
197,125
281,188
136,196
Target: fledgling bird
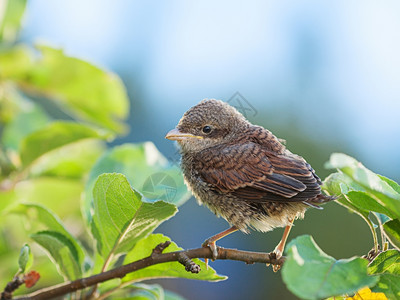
243,173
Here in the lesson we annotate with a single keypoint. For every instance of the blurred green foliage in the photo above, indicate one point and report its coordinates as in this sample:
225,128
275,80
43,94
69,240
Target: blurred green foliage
48,164
61,188
311,274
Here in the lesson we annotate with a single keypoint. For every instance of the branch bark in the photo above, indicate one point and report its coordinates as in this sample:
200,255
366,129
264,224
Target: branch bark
155,258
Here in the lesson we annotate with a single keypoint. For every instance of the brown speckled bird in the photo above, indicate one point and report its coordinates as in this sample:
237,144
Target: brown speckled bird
243,172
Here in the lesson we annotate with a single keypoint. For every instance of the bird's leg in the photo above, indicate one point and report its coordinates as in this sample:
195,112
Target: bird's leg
210,242
281,246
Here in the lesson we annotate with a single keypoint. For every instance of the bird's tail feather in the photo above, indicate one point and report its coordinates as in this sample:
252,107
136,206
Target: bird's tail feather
320,199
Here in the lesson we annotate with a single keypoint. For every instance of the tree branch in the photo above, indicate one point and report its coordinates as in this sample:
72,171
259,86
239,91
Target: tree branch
156,257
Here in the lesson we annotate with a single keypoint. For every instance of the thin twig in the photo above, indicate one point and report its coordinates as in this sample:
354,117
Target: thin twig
157,250
11,287
160,248
230,254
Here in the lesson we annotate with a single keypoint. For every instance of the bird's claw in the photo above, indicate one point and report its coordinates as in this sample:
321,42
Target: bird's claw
275,255
213,248
276,268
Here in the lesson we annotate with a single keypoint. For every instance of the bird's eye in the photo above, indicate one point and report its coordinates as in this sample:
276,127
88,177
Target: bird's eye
206,129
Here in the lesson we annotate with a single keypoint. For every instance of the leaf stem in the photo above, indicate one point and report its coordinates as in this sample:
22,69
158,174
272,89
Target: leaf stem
374,235
371,226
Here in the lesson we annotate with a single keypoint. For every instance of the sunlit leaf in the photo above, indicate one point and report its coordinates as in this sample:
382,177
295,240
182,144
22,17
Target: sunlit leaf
333,181
386,262
141,291
388,284
382,190
7,199
364,201
382,218
30,118
341,185
363,191
37,215
25,259
311,274
146,291
58,194
341,161
63,253
81,89
337,298
54,136
120,218
168,295
16,62
11,19
166,270
87,91
146,169
392,183
71,161
392,232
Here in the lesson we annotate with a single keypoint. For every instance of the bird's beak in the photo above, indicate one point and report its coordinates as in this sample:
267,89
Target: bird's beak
176,135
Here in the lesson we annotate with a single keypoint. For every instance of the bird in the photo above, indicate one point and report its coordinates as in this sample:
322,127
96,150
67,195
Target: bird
243,173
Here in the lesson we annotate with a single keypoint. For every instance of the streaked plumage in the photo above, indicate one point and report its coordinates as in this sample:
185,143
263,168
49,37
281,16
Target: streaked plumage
241,171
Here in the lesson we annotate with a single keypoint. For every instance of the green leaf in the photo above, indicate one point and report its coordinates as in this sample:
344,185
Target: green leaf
120,217
390,182
146,169
25,259
85,90
388,284
311,274
382,219
78,87
72,161
147,291
11,16
53,136
30,118
168,295
363,191
379,189
166,270
341,161
363,201
38,215
386,262
7,199
58,194
392,232
62,251
339,183
15,63
338,298
352,196
360,174
332,183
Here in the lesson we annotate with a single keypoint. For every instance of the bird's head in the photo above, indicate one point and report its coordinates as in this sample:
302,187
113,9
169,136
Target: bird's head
209,123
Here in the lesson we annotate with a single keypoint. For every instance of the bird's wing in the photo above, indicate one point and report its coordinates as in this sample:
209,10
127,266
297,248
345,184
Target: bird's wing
255,174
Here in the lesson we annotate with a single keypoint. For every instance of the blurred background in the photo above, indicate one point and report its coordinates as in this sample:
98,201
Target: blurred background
323,76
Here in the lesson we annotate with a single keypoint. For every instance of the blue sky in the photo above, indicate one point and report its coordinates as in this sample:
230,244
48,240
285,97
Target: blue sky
335,63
